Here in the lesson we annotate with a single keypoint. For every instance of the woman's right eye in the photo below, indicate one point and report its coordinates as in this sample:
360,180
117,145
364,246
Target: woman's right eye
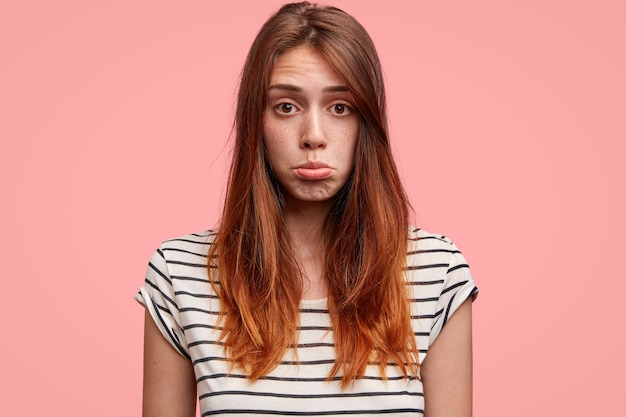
286,108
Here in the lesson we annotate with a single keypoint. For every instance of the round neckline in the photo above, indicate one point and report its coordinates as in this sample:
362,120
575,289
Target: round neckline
314,301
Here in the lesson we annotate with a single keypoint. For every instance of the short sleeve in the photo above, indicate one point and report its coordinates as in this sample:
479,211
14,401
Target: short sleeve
158,295
457,287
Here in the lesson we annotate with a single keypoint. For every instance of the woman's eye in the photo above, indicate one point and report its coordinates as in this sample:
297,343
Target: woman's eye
286,108
340,109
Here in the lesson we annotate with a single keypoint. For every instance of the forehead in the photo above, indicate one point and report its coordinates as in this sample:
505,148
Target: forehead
304,64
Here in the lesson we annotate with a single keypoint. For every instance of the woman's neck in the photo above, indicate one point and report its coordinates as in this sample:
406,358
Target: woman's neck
305,226
305,220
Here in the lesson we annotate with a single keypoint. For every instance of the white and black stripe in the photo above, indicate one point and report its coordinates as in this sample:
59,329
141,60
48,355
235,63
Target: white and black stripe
180,299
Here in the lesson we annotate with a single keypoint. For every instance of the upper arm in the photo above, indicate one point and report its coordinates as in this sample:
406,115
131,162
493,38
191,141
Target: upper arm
169,385
447,368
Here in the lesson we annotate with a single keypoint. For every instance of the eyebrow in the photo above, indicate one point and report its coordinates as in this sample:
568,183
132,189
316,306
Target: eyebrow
296,89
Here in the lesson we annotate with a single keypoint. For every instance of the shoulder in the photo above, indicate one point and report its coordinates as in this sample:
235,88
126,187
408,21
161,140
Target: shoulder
177,282
184,255
423,242
435,259
185,246
440,281
191,240
417,234
180,264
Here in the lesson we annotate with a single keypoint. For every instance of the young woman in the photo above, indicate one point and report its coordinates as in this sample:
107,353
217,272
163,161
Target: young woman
314,296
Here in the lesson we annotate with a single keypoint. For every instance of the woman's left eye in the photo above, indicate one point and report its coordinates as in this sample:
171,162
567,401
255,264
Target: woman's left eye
340,109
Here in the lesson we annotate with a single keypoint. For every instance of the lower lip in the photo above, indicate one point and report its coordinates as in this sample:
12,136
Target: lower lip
314,174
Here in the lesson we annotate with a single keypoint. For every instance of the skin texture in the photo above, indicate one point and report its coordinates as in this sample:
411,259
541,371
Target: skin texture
309,120
447,369
169,384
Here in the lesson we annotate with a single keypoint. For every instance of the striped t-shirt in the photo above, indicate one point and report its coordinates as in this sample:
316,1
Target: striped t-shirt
185,308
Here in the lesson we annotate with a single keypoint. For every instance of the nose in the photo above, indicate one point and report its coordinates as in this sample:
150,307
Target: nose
313,135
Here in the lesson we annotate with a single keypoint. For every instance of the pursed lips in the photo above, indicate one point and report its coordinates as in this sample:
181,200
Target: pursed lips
313,170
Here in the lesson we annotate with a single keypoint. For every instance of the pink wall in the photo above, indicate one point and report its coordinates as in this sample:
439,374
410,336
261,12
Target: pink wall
508,121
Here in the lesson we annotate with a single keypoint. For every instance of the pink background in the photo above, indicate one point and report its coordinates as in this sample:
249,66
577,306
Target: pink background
508,122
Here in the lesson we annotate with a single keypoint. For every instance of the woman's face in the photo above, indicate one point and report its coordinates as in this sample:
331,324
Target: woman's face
310,127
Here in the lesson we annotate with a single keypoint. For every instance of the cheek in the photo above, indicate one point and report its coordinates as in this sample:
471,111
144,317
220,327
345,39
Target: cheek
274,145
352,136
268,138
273,133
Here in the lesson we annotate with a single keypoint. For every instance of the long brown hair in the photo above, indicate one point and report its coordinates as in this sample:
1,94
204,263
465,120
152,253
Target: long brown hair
260,282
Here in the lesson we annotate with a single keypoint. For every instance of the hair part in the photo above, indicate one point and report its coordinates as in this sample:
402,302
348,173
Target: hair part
260,281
